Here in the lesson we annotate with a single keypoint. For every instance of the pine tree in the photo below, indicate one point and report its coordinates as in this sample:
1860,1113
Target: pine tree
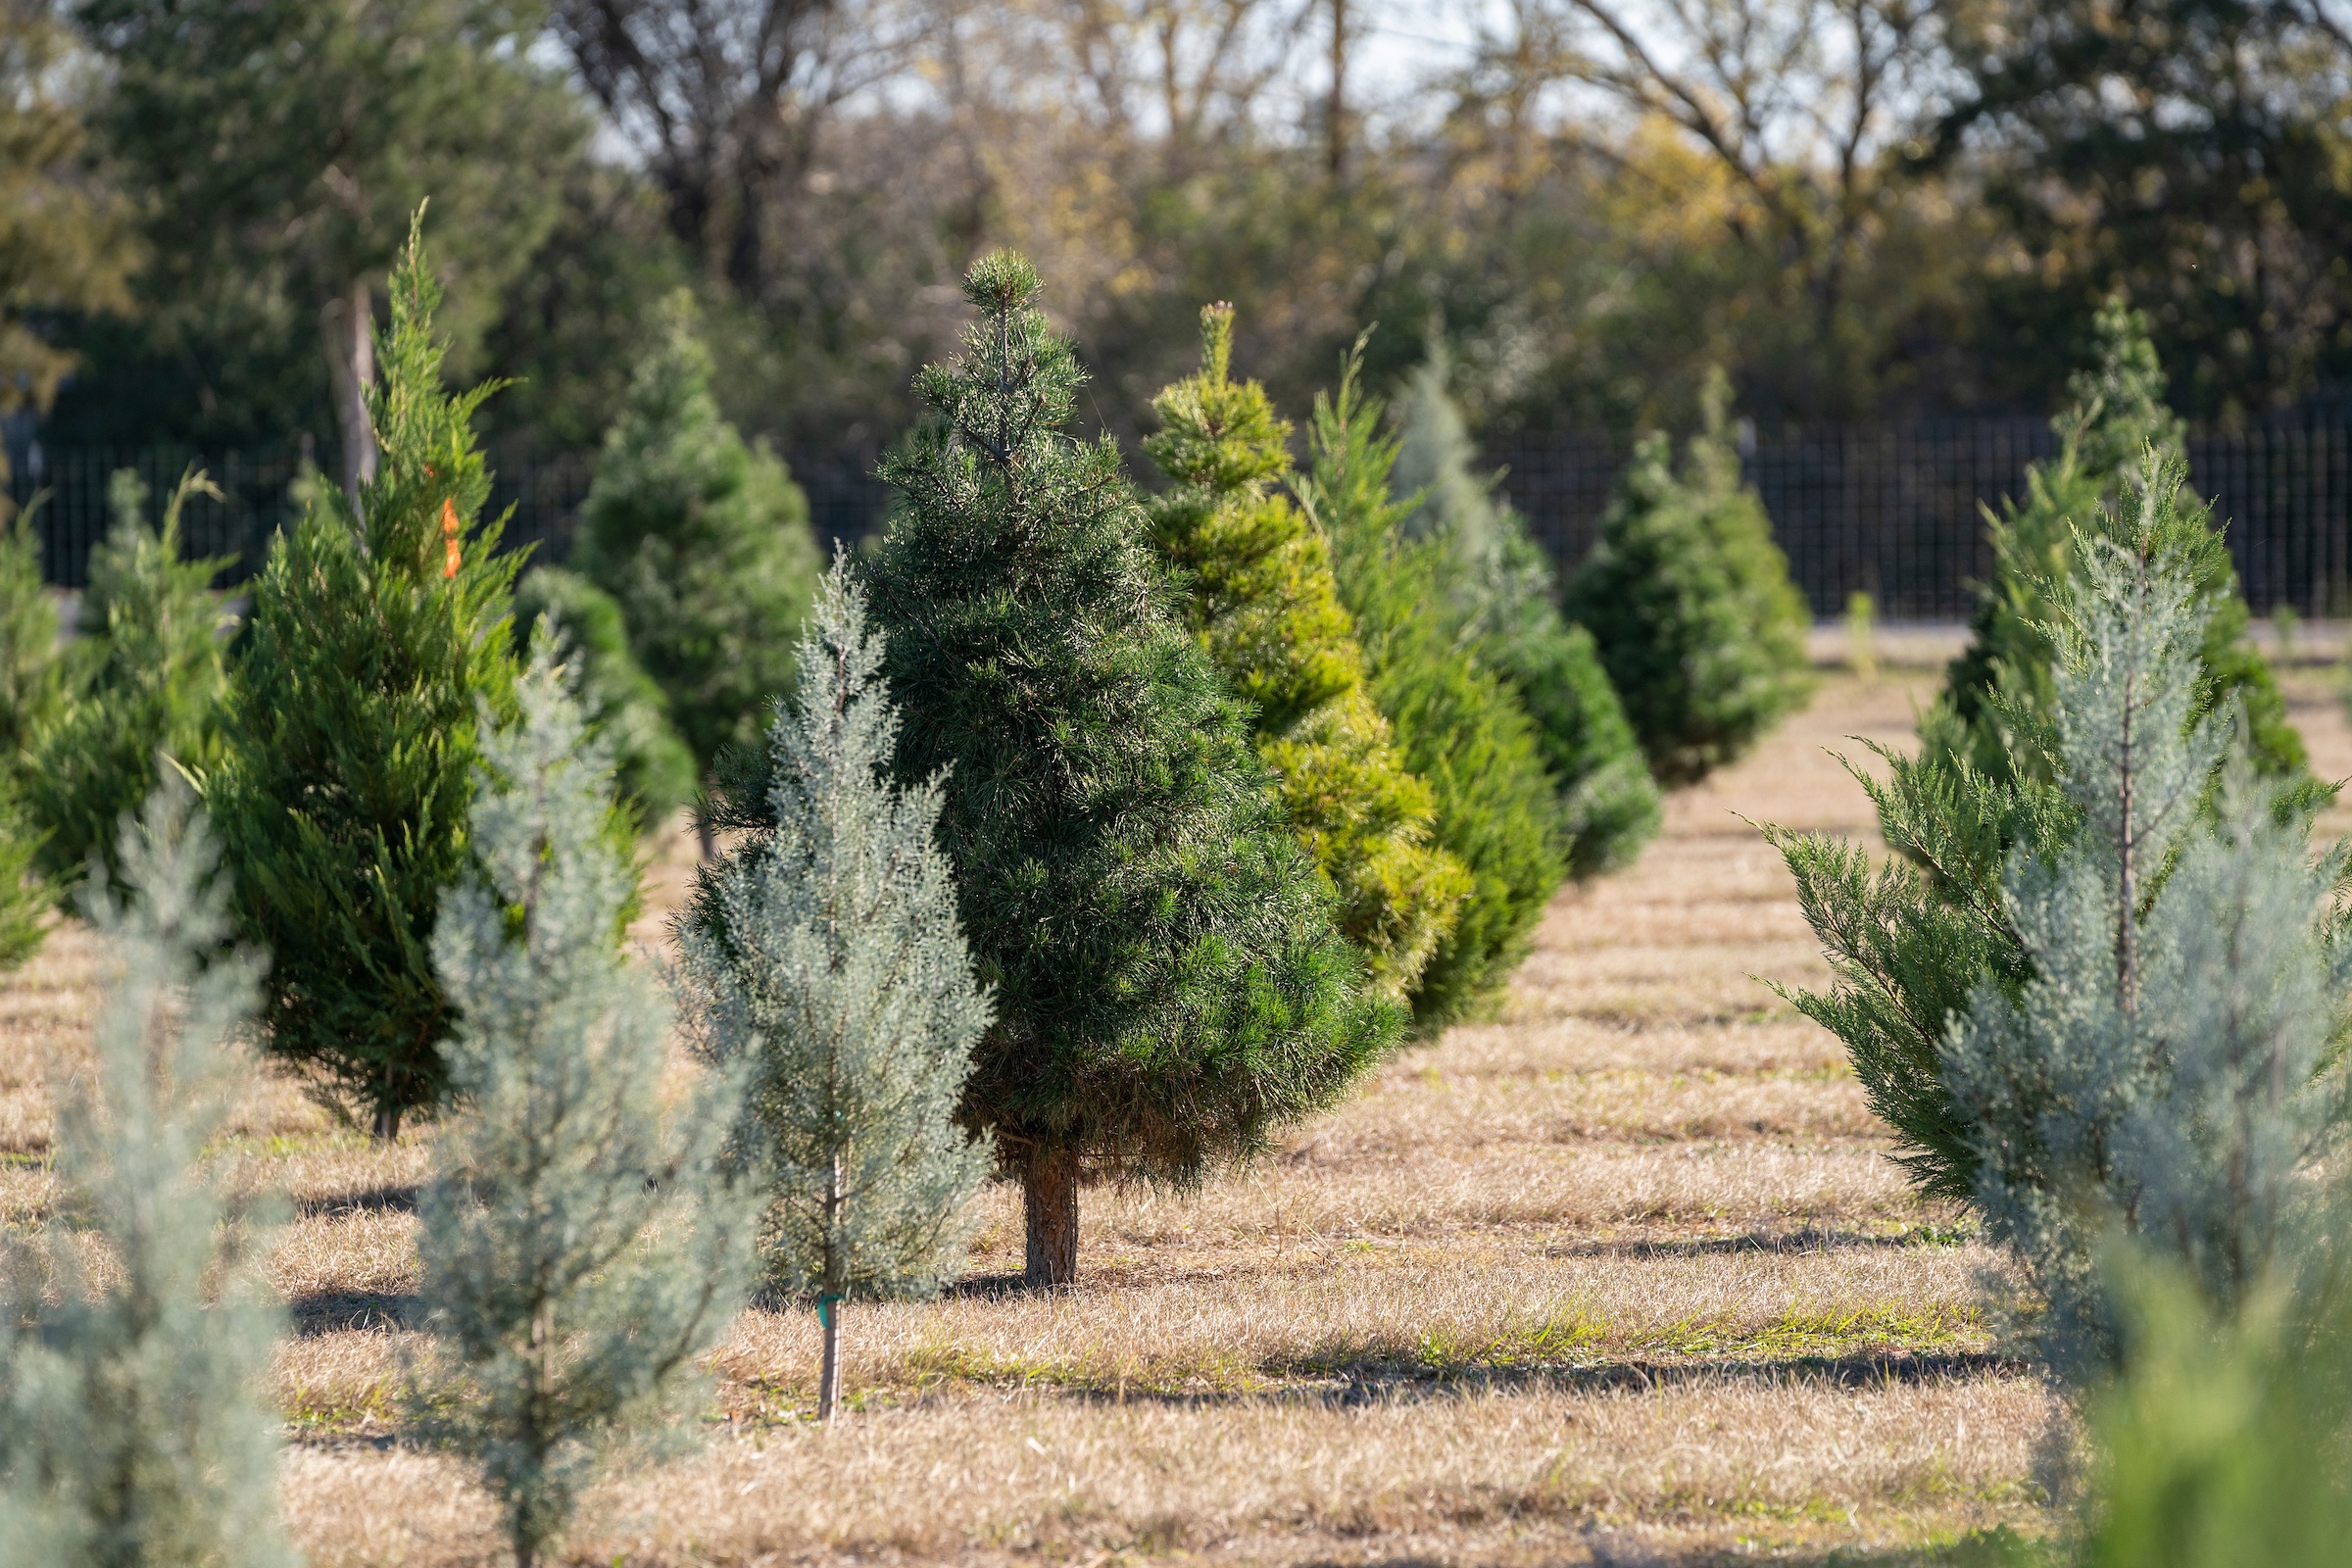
823,954
341,795
148,677
133,1428
627,711
1690,601
705,542
2160,1068
1169,986
1500,584
1458,725
580,1248
2115,415
1265,605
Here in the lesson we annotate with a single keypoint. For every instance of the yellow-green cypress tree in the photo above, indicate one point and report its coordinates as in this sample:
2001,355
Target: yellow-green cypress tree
1265,605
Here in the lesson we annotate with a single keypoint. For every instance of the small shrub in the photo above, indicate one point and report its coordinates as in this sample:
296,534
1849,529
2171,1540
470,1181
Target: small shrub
627,711
133,1423
376,639
31,694
579,1248
2115,420
148,676
1501,586
1459,725
823,959
1169,985
1263,602
704,542
1690,601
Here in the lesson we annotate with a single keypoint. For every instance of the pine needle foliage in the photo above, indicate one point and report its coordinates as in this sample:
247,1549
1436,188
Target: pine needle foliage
1459,725
148,676
1501,586
580,1248
1264,603
629,712
136,1428
1689,602
822,957
2160,1068
376,639
2116,414
703,541
1168,982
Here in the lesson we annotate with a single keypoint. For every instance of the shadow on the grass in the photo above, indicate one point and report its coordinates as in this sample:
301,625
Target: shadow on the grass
1807,1239
2000,1547
346,1311
398,1198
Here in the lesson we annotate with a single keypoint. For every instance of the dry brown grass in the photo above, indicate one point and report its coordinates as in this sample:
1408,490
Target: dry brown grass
1621,1276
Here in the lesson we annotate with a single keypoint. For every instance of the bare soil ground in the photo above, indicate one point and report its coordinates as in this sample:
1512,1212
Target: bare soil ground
1621,1276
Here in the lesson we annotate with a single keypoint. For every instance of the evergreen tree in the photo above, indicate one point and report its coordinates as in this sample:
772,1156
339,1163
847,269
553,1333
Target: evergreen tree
1265,605
627,713
148,677
1501,585
1690,601
133,1427
1458,725
705,542
823,956
341,795
580,1248
1909,941
1169,986
2115,417
2160,1067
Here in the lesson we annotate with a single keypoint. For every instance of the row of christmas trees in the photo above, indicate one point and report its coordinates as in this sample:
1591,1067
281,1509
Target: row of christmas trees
2102,994
1235,771
1157,874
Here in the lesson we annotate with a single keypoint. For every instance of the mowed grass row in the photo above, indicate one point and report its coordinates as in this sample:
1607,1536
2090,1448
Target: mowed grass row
1622,1274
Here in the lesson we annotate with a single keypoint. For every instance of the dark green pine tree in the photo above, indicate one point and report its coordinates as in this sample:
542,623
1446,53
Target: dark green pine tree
2116,419
1701,630
379,642
1170,982
703,541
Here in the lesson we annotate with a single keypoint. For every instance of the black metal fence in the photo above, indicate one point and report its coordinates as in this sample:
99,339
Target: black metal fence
1891,511
1895,512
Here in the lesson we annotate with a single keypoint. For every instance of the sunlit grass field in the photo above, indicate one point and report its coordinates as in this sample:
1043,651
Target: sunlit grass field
1622,1276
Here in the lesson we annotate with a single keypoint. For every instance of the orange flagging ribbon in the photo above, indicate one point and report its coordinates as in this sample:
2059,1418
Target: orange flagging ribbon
449,535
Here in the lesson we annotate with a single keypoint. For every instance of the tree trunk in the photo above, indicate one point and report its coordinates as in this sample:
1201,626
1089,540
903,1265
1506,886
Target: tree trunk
828,1380
348,326
1050,1196
387,1122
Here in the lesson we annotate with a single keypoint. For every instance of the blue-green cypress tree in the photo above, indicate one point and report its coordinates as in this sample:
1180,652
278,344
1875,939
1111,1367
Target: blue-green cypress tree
1169,984
822,956
581,1245
134,1420
653,774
